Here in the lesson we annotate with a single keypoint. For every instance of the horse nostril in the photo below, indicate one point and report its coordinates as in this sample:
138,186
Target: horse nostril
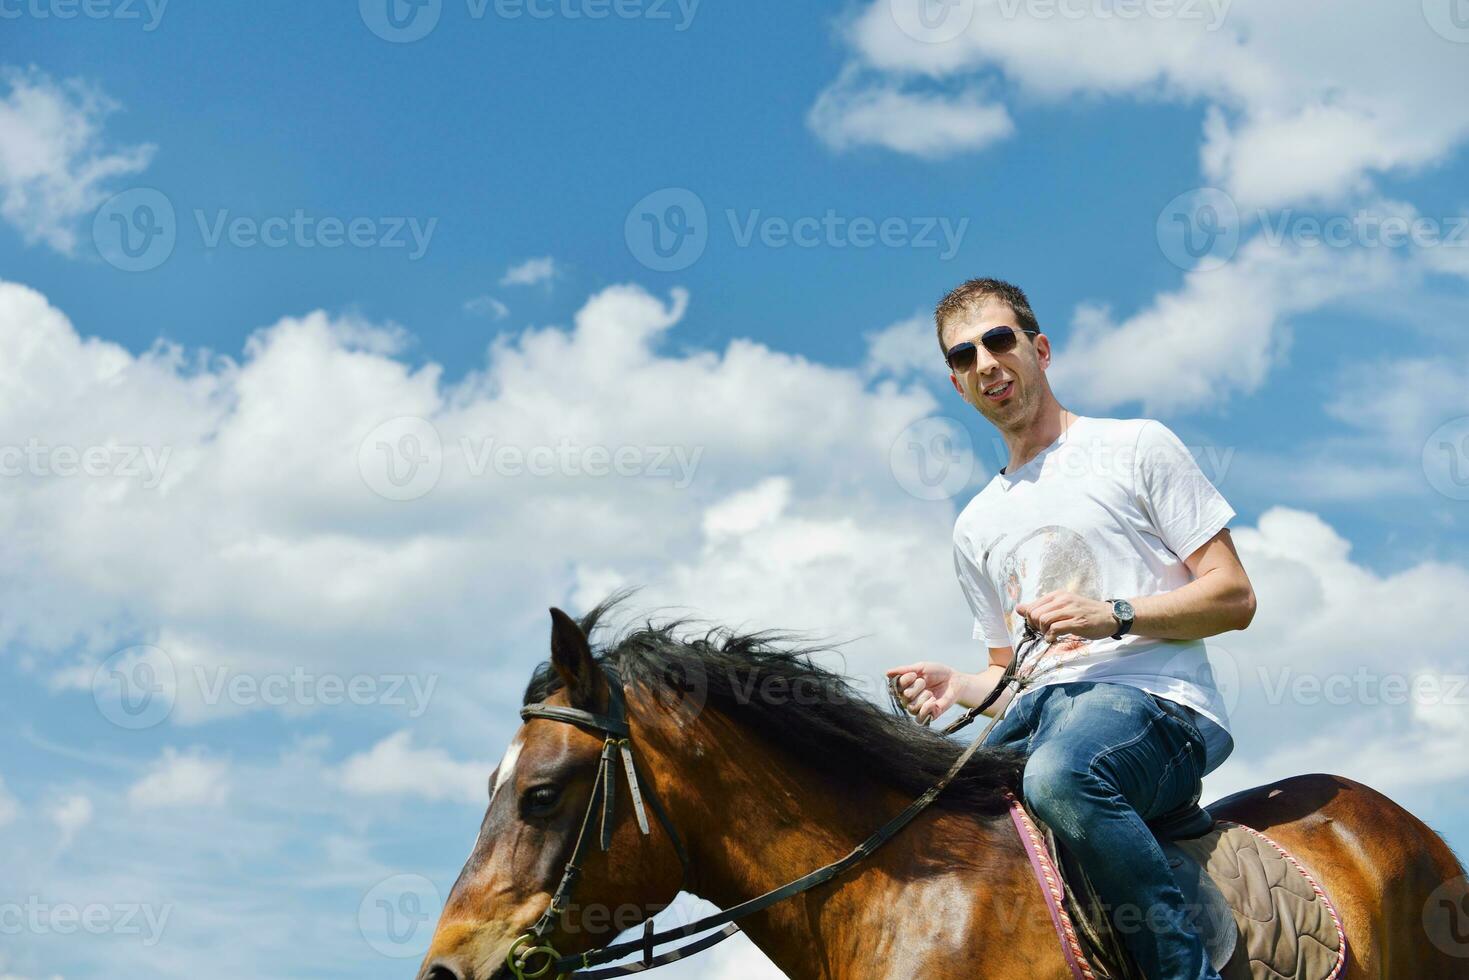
440,971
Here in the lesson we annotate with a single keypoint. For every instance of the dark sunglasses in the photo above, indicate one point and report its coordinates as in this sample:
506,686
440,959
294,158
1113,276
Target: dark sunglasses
1000,340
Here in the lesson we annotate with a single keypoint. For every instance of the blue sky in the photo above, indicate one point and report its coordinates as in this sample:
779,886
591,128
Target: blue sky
534,156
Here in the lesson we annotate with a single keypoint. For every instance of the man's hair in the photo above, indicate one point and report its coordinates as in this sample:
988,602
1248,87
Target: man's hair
971,295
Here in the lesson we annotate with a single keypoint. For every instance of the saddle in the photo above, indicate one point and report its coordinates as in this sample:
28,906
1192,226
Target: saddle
1260,913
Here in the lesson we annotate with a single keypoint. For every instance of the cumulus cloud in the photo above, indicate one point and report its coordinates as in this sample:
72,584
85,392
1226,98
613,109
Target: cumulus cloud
181,779
266,536
55,164
531,272
1289,118
1217,335
395,767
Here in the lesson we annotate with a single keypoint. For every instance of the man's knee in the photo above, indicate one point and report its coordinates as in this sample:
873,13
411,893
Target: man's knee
1056,789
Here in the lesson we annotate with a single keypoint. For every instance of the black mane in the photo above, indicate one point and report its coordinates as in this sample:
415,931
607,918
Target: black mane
819,715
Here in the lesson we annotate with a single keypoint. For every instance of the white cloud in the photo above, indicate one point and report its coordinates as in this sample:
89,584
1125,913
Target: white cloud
70,815
181,780
1219,334
531,272
487,306
394,767
851,113
261,547
903,348
1341,670
1291,117
55,166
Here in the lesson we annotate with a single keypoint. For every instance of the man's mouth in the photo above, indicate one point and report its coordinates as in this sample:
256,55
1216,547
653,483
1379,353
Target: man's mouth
999,391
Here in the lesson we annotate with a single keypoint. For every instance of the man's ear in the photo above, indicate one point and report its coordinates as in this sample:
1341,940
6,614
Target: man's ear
571,655
1043,350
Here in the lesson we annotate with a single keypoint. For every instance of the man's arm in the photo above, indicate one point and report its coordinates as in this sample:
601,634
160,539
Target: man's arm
976,687
1219,599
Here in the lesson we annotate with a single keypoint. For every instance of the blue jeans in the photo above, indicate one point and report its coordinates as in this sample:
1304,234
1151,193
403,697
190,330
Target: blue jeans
1103,758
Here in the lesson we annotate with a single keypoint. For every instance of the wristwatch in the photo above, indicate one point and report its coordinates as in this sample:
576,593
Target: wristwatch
1122,610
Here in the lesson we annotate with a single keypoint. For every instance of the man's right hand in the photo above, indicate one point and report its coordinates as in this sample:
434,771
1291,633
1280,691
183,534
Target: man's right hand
928,689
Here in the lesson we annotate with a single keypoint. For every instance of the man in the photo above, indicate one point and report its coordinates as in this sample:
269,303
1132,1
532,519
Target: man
1103,535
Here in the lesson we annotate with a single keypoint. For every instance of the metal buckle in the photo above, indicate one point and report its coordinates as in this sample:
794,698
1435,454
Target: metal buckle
518,961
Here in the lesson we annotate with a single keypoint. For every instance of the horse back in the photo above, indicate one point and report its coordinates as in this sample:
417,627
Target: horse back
1399,888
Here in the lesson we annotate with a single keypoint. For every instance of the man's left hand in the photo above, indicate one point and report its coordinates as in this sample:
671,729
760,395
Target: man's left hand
1066,612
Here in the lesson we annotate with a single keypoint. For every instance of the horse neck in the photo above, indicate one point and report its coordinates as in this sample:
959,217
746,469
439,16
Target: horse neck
754,821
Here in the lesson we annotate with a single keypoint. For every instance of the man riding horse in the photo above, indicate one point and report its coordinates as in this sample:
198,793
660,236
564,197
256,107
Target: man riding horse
1105,536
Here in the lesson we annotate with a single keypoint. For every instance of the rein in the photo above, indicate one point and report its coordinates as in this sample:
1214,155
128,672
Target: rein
617,744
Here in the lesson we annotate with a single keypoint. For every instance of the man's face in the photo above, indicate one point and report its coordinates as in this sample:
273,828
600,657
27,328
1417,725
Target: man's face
1006,388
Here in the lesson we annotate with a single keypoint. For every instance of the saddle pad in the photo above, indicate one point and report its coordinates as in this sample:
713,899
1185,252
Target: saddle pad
1289,930
1287,927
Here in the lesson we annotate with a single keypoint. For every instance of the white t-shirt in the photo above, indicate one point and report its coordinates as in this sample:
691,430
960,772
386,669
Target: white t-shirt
1109,511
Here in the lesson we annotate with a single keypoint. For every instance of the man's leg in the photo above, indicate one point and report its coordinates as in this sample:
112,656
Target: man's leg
1104,758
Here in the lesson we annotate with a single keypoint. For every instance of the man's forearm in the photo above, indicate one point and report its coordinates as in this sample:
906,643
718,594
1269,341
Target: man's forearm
978,686
1207,606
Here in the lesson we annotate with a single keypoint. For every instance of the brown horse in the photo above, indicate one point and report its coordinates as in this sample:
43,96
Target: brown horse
769,766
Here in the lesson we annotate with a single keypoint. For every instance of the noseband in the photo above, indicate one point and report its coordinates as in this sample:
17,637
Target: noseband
617,743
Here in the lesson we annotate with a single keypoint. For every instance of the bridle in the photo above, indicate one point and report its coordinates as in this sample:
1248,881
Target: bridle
617,744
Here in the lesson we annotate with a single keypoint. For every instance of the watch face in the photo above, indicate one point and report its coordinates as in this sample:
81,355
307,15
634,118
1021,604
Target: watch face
1123,609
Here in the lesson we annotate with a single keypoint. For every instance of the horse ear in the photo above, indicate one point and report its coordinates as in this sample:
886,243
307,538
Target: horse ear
571,655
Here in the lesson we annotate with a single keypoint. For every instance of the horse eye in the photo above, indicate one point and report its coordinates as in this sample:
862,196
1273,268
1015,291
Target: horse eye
542,799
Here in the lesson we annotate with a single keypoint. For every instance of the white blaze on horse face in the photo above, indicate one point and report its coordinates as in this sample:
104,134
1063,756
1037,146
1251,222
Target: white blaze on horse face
506,770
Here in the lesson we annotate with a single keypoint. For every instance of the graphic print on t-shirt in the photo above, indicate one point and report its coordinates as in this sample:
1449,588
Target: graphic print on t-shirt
1048,559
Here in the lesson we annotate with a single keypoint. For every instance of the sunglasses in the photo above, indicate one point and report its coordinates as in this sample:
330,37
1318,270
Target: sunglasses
1000,340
